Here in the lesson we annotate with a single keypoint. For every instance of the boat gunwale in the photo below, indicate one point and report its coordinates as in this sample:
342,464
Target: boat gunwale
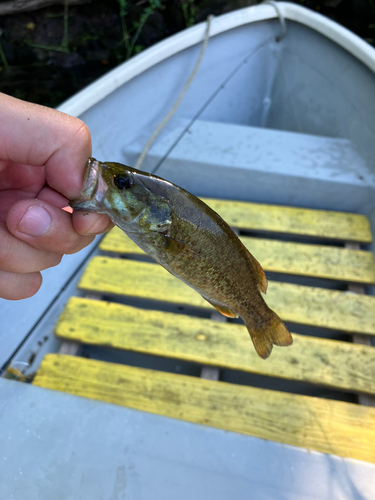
111,81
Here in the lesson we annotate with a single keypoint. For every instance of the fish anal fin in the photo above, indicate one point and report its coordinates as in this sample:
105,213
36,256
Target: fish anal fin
226,311
272,332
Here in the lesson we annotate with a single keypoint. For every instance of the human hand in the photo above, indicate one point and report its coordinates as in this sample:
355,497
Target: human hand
43,154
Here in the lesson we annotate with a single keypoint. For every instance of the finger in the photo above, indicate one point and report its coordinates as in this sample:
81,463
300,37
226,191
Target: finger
35,135
17,256
45,227
90,223
21,177
19,182
52,197
8,199
19,286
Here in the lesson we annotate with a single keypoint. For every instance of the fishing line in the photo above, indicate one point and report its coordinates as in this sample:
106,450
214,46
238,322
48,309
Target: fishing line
179,98
206,104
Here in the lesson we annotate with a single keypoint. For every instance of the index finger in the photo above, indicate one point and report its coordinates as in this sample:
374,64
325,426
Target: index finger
31,134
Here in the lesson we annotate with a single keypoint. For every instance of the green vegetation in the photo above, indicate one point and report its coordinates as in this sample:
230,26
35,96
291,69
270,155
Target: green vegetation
64,46
131,36
48,54
2,55
190,11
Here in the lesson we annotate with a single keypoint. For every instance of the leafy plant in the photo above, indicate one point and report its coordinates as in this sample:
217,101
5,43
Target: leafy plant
189,10
64,46
2,55
123,4
137,26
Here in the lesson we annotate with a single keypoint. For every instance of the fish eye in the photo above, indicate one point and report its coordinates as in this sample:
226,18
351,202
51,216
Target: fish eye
122,182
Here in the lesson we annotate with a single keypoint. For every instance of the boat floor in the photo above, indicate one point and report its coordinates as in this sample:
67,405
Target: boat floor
55,445
301,250
115,328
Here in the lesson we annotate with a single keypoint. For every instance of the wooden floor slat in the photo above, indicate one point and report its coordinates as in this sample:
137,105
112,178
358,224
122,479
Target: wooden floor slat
298,304
300,259
290,220
341,365
334,427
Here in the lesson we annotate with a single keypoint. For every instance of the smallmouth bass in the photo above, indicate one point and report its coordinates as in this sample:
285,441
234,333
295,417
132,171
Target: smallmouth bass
190,240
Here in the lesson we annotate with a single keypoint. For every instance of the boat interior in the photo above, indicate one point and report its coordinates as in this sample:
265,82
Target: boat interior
277,133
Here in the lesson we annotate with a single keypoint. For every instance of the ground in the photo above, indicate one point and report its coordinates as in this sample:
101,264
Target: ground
48,54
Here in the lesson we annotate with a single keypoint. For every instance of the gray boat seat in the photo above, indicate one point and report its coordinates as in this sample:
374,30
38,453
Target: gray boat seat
262,164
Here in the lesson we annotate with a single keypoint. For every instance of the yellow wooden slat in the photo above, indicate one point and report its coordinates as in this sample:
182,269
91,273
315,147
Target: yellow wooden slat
291,220
317,261
341,365
333,427
299,304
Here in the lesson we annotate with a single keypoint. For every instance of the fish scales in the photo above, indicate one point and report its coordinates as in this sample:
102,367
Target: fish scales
189,239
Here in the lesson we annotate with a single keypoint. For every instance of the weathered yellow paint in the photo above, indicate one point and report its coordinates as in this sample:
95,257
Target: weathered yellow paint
320,223
341,365
334,427
299,304
318,261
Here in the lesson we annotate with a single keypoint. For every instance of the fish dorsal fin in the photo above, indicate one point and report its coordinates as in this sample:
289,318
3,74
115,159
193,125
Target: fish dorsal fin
263,282
226,311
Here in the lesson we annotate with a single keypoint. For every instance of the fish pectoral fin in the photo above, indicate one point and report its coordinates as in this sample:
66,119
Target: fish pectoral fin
179,247
226,311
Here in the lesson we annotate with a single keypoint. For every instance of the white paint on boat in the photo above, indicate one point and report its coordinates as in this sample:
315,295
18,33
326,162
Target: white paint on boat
107,84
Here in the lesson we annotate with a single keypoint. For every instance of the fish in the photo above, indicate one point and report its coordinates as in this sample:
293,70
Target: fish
190,240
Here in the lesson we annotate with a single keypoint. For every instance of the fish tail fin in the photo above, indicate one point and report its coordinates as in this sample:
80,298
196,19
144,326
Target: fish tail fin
272,332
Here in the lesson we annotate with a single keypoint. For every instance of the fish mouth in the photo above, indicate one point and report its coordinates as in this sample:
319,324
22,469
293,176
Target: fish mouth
90,182
94,188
